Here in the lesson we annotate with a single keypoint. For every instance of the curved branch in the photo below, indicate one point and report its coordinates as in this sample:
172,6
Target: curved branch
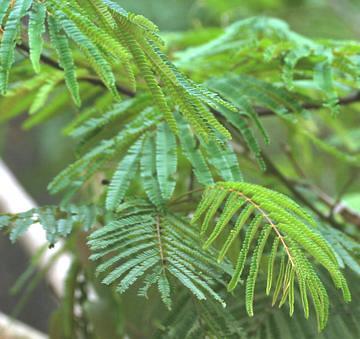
262,111
345,213
90,79
343,101
12,329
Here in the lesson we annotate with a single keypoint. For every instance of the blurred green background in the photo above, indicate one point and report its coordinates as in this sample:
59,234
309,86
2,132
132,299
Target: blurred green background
35,156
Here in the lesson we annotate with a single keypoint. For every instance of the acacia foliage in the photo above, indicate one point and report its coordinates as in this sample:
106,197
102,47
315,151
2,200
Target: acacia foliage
144,121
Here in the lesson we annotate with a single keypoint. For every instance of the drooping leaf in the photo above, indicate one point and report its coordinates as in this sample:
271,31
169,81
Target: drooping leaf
61,44
166,160
36,30
123,175
276,214
8,41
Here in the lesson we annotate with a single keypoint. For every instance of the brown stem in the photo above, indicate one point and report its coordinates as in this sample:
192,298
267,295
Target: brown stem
158,234
90,79
348,214
262,111
179,197
271,168
343,101
347,100
335,205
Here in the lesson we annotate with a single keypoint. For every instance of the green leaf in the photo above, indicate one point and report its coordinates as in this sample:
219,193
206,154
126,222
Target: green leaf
123,175
44,92
166,160
148,171
271,212
4,6
323,78
254,267
35,32
224,159
8,41
56,221
93,55
61,44
145,244
193,153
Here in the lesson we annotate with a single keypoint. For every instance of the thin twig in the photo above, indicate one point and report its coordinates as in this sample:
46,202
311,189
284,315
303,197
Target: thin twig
335,205
262,111
271,168
343,101
90,79
344,189
347,100
348,214
158,233
12,329
186,194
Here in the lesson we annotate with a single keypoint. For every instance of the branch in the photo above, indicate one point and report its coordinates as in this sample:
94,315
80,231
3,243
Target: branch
45,59
14,329
271,168
337,207
262,111
347,100
343,101
90,79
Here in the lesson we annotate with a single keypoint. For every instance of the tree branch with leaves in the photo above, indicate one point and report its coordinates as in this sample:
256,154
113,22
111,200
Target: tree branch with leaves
156,124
